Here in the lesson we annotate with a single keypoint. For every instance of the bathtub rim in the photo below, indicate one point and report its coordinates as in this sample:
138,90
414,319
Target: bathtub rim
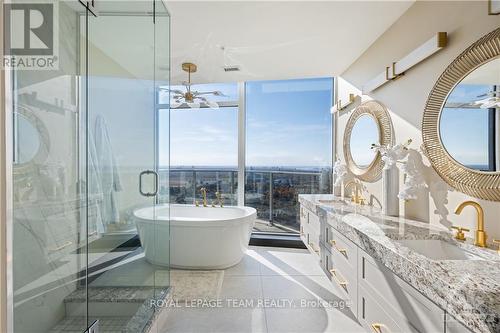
249,216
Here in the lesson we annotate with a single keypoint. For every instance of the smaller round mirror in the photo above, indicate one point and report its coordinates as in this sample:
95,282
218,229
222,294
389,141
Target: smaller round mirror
369,124
365,132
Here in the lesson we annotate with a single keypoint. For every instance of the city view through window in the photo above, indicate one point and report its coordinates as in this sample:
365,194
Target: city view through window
282,158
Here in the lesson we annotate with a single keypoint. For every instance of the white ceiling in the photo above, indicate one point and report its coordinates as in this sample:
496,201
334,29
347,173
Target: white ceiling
275,40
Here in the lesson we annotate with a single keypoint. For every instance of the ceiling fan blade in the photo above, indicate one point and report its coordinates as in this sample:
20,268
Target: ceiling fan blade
193,105
212,104
175,104
490,104
215,93
176,91
219,93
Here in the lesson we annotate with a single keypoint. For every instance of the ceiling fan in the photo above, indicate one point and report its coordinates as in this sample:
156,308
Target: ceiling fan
492,101
194,99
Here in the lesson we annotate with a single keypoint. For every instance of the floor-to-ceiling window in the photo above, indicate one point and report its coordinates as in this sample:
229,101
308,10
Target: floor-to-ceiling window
203,146
288,148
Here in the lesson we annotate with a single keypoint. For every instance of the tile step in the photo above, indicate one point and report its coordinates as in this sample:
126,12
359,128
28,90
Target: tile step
131,303
114,294
115,324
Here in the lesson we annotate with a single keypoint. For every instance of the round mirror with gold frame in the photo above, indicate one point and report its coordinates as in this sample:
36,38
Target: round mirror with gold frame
461,122
369,124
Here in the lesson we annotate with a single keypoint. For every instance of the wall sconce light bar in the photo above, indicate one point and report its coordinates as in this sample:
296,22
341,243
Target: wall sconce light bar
398,68
339,106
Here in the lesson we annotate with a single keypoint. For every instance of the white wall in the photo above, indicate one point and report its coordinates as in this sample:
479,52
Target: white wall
465,22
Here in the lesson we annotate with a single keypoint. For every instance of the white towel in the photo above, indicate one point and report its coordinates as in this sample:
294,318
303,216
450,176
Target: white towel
107,172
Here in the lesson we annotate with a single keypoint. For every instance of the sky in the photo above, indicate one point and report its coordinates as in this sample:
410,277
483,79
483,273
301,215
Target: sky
288,124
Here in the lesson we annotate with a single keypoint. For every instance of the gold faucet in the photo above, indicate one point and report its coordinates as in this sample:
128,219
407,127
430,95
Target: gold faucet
356,191
219,198
204,194
480,234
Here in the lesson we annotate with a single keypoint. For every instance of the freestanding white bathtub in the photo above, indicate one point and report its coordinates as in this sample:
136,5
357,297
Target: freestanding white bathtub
200,237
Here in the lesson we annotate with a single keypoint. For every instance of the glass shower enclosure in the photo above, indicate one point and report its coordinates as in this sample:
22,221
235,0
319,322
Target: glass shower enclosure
85,160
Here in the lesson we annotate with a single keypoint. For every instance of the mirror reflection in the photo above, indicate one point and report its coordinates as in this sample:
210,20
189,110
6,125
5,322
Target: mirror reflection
470,120
364,133
28,139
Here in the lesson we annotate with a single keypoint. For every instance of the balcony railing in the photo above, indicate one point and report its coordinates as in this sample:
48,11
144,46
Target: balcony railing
273,192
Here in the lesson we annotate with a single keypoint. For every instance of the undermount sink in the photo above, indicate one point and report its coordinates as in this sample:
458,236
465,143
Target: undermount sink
331,201
435,249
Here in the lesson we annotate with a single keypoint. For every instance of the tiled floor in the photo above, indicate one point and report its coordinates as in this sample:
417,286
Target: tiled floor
271,290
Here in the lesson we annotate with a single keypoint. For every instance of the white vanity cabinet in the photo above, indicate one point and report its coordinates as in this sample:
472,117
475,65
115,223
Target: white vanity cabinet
341,264
380,300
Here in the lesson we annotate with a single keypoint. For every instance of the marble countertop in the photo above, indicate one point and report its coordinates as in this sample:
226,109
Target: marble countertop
469,290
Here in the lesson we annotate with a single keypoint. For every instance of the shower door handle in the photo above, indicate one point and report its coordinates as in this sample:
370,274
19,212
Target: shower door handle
148,172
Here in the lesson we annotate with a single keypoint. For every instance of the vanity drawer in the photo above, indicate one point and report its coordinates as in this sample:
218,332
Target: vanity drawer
310,240
303,216
313,243
374,318
314,224
343,249
398,297
344,280
309,220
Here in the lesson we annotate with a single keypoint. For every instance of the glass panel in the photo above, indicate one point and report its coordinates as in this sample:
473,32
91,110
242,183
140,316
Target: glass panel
128,252
84,239
283,158
49,201
204,150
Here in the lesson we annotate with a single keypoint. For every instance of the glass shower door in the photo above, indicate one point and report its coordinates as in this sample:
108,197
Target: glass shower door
47,255
90,234
128,232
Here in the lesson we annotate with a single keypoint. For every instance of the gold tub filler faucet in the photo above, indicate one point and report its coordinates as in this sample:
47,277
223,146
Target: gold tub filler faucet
218,195
219,199
204,195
